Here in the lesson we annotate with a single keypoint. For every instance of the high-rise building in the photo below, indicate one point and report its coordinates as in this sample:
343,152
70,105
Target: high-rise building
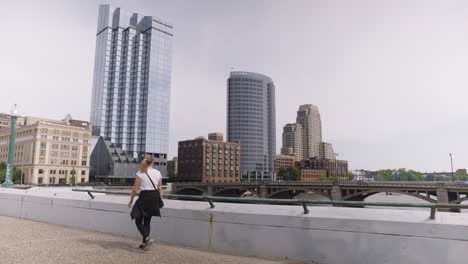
211,160
309,117
49,151
251,121
292,141
326,151
131,90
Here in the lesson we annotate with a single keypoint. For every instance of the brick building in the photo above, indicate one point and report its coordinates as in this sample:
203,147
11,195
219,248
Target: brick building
312,175
283,161
208,160
334,168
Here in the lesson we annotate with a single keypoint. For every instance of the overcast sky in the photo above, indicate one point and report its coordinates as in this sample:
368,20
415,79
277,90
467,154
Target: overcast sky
390,77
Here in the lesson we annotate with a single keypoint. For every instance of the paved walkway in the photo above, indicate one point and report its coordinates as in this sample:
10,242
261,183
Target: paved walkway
24,241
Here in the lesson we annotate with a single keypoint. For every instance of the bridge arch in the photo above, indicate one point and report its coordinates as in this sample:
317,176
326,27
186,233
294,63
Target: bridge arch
271,195
459,201
190,191
369,193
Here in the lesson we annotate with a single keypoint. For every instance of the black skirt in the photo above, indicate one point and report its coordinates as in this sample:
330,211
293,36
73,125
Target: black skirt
148,204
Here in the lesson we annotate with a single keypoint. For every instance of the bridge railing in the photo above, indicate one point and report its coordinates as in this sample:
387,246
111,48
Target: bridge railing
211,199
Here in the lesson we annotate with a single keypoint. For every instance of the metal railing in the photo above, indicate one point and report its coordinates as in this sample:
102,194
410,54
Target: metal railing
210,199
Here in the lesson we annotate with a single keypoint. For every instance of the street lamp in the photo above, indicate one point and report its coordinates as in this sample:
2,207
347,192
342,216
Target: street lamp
8,183
451,164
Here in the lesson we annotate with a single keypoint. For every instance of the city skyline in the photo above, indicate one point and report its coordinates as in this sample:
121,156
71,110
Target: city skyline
390,81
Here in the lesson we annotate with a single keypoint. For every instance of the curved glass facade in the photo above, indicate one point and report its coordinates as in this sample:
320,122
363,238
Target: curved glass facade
251,121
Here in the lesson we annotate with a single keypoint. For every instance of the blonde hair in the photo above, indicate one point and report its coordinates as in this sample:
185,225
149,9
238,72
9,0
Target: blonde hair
146,163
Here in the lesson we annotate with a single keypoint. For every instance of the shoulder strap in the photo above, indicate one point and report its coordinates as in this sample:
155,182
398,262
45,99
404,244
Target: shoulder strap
151,180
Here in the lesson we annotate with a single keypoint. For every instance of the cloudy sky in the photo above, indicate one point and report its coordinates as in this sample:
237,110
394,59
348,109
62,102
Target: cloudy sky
389,77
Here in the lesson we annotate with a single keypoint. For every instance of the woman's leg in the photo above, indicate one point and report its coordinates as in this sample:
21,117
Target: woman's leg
141,228
147,227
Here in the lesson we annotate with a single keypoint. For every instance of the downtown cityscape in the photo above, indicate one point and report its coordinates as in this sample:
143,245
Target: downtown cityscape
232,123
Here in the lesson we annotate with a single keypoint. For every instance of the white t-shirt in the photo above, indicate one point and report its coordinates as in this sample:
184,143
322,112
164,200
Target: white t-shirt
145,183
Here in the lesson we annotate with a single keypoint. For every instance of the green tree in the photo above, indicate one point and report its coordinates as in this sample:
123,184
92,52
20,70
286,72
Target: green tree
282,173
16,175
295,174
401,174
122,181
2,171
73,179
462,176
350,176
65,179
323,178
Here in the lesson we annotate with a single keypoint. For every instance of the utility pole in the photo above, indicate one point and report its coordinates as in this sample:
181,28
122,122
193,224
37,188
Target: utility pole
8,183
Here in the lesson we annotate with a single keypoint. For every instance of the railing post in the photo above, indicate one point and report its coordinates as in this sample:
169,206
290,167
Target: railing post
306,210
433,212
211,202
91,195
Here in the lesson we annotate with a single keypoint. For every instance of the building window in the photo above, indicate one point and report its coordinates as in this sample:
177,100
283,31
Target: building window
64,154
83,163
42,152
74,155
65,147
54,146
83,173
74,148
43,145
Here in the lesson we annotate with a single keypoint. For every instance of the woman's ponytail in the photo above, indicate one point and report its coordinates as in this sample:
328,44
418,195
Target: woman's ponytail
146,163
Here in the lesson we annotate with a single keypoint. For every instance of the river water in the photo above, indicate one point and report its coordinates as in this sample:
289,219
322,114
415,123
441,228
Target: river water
380,197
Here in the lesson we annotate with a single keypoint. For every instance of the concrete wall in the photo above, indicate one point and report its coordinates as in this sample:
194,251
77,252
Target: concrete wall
325,235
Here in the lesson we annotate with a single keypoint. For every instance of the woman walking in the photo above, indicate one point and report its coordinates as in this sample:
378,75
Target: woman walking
149,182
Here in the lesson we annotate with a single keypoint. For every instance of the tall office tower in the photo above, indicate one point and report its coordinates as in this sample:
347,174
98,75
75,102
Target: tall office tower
131,86
292,141
309,117
251,121
326,151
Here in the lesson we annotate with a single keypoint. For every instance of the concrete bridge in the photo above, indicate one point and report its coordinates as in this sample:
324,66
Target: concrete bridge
433,192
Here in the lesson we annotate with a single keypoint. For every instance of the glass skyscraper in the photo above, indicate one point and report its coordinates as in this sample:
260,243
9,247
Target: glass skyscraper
251,119
132,80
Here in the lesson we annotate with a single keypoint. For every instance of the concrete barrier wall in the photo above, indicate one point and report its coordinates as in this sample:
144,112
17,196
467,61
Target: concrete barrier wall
325,235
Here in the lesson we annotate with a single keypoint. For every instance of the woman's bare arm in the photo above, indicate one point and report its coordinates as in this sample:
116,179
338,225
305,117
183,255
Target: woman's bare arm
160,189
136,186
